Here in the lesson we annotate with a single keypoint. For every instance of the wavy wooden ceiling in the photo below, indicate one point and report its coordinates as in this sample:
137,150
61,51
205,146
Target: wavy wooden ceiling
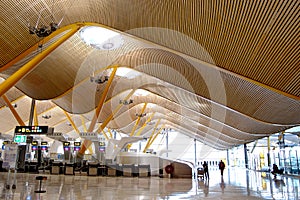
224,72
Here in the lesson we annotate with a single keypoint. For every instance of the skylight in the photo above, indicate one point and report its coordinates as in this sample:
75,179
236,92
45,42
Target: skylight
101,38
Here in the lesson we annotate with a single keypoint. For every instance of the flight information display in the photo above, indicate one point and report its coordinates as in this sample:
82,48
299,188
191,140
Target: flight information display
28,130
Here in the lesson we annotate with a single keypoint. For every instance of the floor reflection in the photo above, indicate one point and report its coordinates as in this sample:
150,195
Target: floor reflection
235,184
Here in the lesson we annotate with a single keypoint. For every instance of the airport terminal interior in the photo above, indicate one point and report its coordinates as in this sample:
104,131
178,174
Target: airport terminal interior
105,99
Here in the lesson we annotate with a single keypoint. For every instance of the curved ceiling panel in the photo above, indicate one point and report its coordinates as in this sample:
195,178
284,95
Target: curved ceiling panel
223,72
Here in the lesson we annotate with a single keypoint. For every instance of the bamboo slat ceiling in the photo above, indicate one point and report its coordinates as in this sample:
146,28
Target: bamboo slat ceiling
223,72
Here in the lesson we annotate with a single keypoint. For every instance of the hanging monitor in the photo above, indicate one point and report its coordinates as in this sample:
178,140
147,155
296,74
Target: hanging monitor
66,146
31,130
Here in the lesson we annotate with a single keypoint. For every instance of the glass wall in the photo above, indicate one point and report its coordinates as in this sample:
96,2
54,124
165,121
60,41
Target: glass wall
282,149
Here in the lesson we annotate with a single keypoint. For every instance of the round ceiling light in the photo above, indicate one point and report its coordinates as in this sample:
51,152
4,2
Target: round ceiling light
101,38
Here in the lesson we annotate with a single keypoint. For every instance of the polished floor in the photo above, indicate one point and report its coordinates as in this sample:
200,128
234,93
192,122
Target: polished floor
236,184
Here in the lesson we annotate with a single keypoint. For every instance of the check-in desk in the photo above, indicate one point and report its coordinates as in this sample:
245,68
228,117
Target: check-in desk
93,169
102,170
128,170
111,170
33,167
144,170
57,168
69,169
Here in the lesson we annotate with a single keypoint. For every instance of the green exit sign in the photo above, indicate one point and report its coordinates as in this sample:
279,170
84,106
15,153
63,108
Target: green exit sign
20,139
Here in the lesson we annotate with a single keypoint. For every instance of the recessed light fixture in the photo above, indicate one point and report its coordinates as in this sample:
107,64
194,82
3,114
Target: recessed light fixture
101,38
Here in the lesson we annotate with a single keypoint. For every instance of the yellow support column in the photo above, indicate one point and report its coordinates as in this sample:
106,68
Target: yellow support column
151,136
105,135
141,129
110,133
86,143
13,110
35,116
72,122
83,123
23,71
138,120
101,102
110,117
154,138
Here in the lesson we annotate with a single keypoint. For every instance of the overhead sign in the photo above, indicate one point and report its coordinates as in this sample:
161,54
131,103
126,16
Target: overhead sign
101,144
20,139
28,130
77,144
66,144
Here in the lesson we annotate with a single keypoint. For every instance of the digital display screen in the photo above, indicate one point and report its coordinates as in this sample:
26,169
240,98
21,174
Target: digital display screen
77,144
101,144
44,143
44,148
66,148
102,149
76,148
31,130
34,143
34,148
66,144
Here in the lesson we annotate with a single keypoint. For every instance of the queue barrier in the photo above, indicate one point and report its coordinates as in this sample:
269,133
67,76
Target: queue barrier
40,179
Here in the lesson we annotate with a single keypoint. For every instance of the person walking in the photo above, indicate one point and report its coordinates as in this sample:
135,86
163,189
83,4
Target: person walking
205,169
221,167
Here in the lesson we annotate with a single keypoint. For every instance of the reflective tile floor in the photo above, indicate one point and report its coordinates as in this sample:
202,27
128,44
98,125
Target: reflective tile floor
236,184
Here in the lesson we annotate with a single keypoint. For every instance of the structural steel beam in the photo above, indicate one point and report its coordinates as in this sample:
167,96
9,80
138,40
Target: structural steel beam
13,110
102,100
30,65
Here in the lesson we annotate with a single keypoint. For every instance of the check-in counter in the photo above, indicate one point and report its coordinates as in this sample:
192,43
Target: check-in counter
102,170
111,170
69,169
33,167
93,169
144,170
128,170
57,168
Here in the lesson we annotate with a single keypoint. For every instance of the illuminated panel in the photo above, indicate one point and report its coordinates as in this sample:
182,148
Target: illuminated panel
66,146
27,130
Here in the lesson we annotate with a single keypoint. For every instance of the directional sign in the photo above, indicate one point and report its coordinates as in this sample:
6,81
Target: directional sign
20,139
